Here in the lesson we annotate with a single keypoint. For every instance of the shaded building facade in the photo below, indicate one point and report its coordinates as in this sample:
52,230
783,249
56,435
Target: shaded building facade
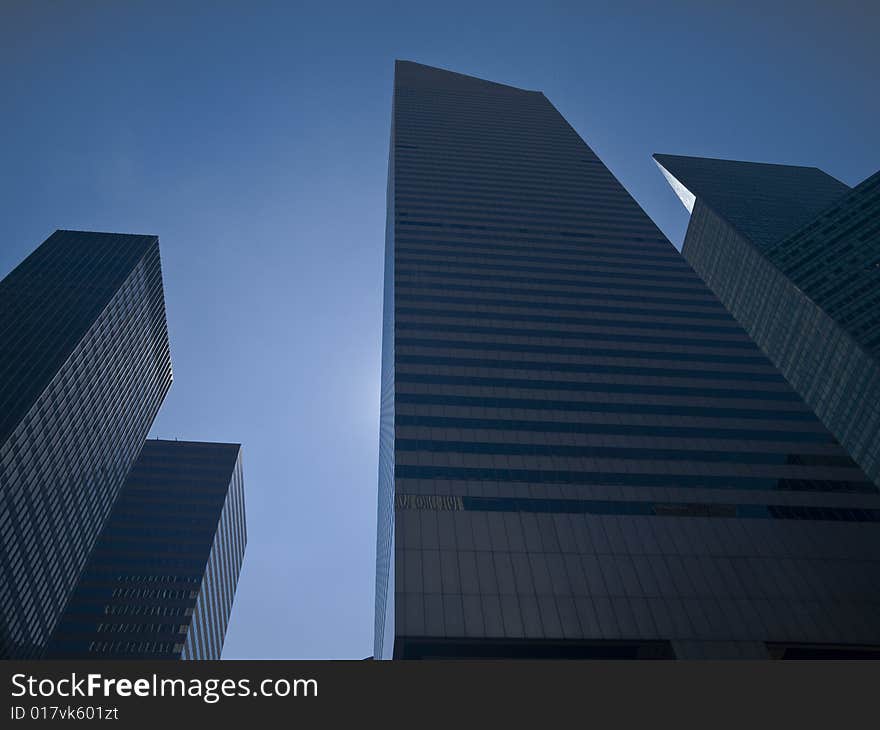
161,580
795,256
582,454
84,367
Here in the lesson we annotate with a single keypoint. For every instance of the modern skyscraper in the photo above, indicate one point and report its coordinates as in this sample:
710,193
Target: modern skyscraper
794,255
582,454
84,367
161,579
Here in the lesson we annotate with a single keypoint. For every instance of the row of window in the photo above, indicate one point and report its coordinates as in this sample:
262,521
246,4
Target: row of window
544,404
611,429
736,392
428,261
577,367
546,349
521,302
169,593
152,578
606,239
441,184
420,326
139,609
135,647
618,452
610,507
571,234
698,481
138,628
551,251
475,309
585,262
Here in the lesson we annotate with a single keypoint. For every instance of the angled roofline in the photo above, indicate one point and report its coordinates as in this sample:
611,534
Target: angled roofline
400,61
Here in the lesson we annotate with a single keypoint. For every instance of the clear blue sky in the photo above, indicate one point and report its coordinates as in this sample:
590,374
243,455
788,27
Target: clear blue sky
252,137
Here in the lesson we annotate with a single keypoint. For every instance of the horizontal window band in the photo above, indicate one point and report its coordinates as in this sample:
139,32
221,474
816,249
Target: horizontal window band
595,285
613,429
737,392
673,481
421,195
426,241
549,169
422,279
409,215
608,507
580,264
623,370
417,647
127,513
604,337
580,406
401,261
491,155
650,243
418,238
569,307
643,251
618,452
483,313
470,142
522,287
691,357
571,217
556,182
437,187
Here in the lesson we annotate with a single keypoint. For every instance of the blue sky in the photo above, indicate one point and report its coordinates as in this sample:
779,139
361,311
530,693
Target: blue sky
253,139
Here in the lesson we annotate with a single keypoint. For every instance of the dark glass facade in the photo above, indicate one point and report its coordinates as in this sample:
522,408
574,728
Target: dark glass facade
84,367
161,580
582,454
795,256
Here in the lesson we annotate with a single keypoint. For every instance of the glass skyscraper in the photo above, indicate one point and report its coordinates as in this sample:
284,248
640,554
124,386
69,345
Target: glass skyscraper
582,453
795,256
161,579
84,367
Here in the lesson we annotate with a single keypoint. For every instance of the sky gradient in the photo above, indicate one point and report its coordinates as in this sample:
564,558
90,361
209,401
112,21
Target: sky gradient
253,140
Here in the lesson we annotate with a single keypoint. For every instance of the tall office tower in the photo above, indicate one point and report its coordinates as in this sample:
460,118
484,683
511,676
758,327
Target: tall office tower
161,579
794,255
84,366
582,454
